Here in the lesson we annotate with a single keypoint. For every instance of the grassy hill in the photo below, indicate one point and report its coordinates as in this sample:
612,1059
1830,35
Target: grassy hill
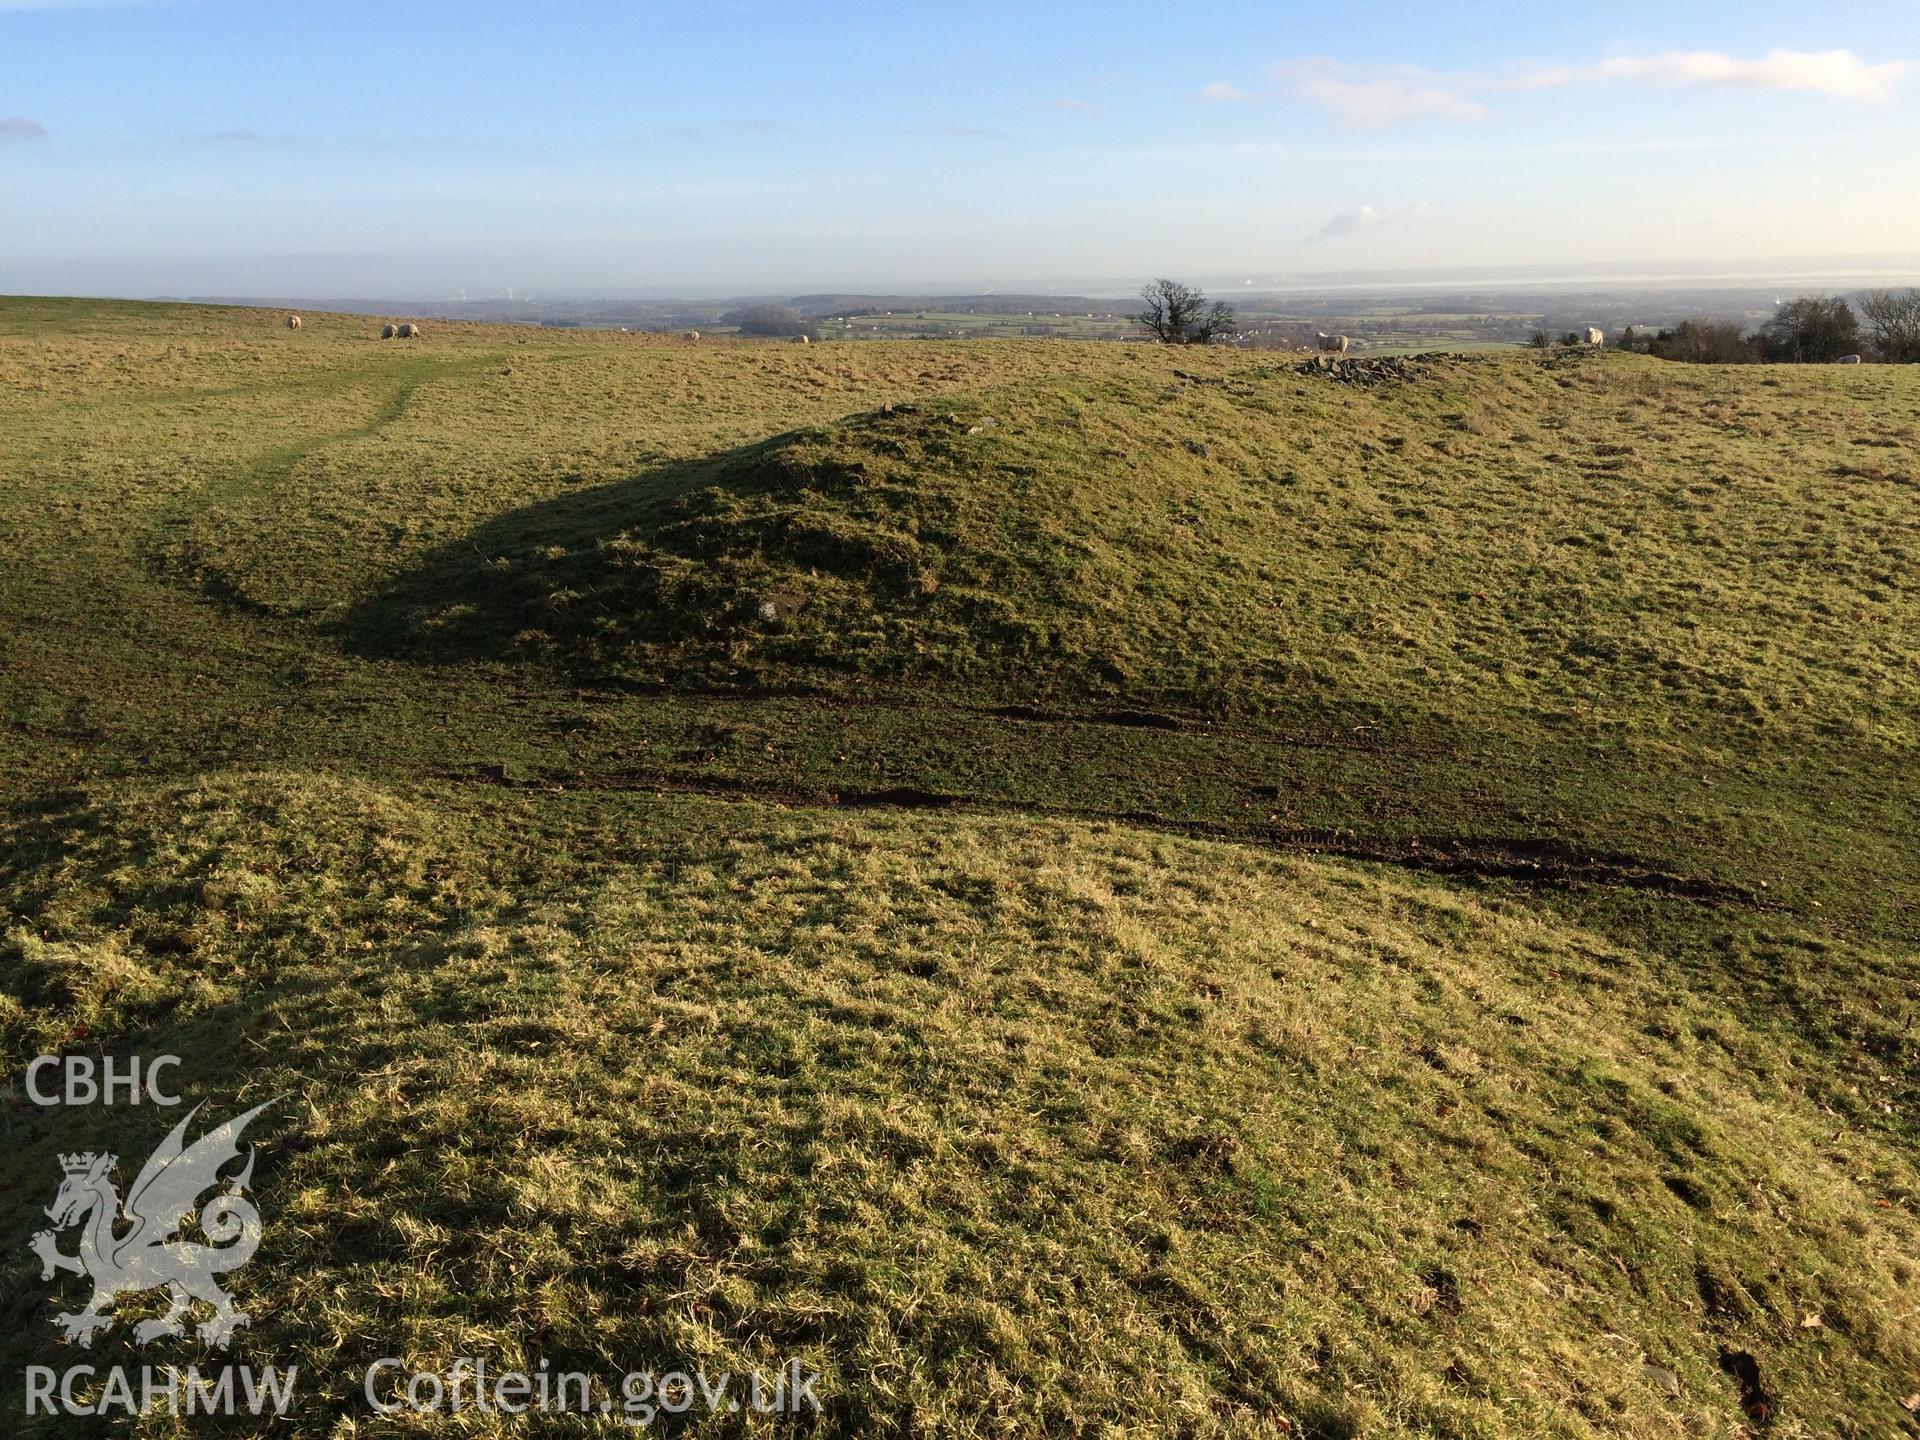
1071,888
1601,546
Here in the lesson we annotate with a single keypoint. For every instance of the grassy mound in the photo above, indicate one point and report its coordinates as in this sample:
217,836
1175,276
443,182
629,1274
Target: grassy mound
1588,1110
1595,543
999,1125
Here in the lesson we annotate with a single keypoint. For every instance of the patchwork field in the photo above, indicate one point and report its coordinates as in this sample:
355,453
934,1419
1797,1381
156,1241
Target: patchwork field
1068,888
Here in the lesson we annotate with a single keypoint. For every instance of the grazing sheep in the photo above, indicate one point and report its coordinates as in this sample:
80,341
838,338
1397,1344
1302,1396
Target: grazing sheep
801,340
1848,360
1596,337
693,334
408,331
293,322
1331,344
389,330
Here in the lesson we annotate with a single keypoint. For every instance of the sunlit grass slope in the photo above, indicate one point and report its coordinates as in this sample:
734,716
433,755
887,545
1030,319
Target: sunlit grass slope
1610,542
1000,1125
1077,889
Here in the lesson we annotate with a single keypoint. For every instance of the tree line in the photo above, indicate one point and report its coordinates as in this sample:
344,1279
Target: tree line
770,319
1881,325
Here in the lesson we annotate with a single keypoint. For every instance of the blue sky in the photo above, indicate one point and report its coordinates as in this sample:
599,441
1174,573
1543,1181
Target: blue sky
283,147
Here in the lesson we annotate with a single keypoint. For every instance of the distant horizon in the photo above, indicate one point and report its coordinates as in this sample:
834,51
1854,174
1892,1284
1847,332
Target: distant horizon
1836,272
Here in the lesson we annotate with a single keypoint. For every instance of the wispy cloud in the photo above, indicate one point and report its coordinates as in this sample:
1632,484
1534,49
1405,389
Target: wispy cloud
1367,217
1078,107
18,127
1371,99
1265,150
1219,90
1825,72
1378,97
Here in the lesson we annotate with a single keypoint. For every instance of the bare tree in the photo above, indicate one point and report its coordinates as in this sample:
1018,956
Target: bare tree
1178,314
1893,320
1811,330
1704,342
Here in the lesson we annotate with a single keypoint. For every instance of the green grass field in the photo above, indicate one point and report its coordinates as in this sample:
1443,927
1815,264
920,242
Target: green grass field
1074,889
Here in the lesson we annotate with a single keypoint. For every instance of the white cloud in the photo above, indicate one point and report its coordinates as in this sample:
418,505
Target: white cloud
1374,99
1077,107
1367,217
1218,90
1826,72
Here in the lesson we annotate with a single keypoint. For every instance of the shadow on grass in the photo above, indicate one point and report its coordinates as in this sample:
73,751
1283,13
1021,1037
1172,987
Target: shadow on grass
545,569
659,577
